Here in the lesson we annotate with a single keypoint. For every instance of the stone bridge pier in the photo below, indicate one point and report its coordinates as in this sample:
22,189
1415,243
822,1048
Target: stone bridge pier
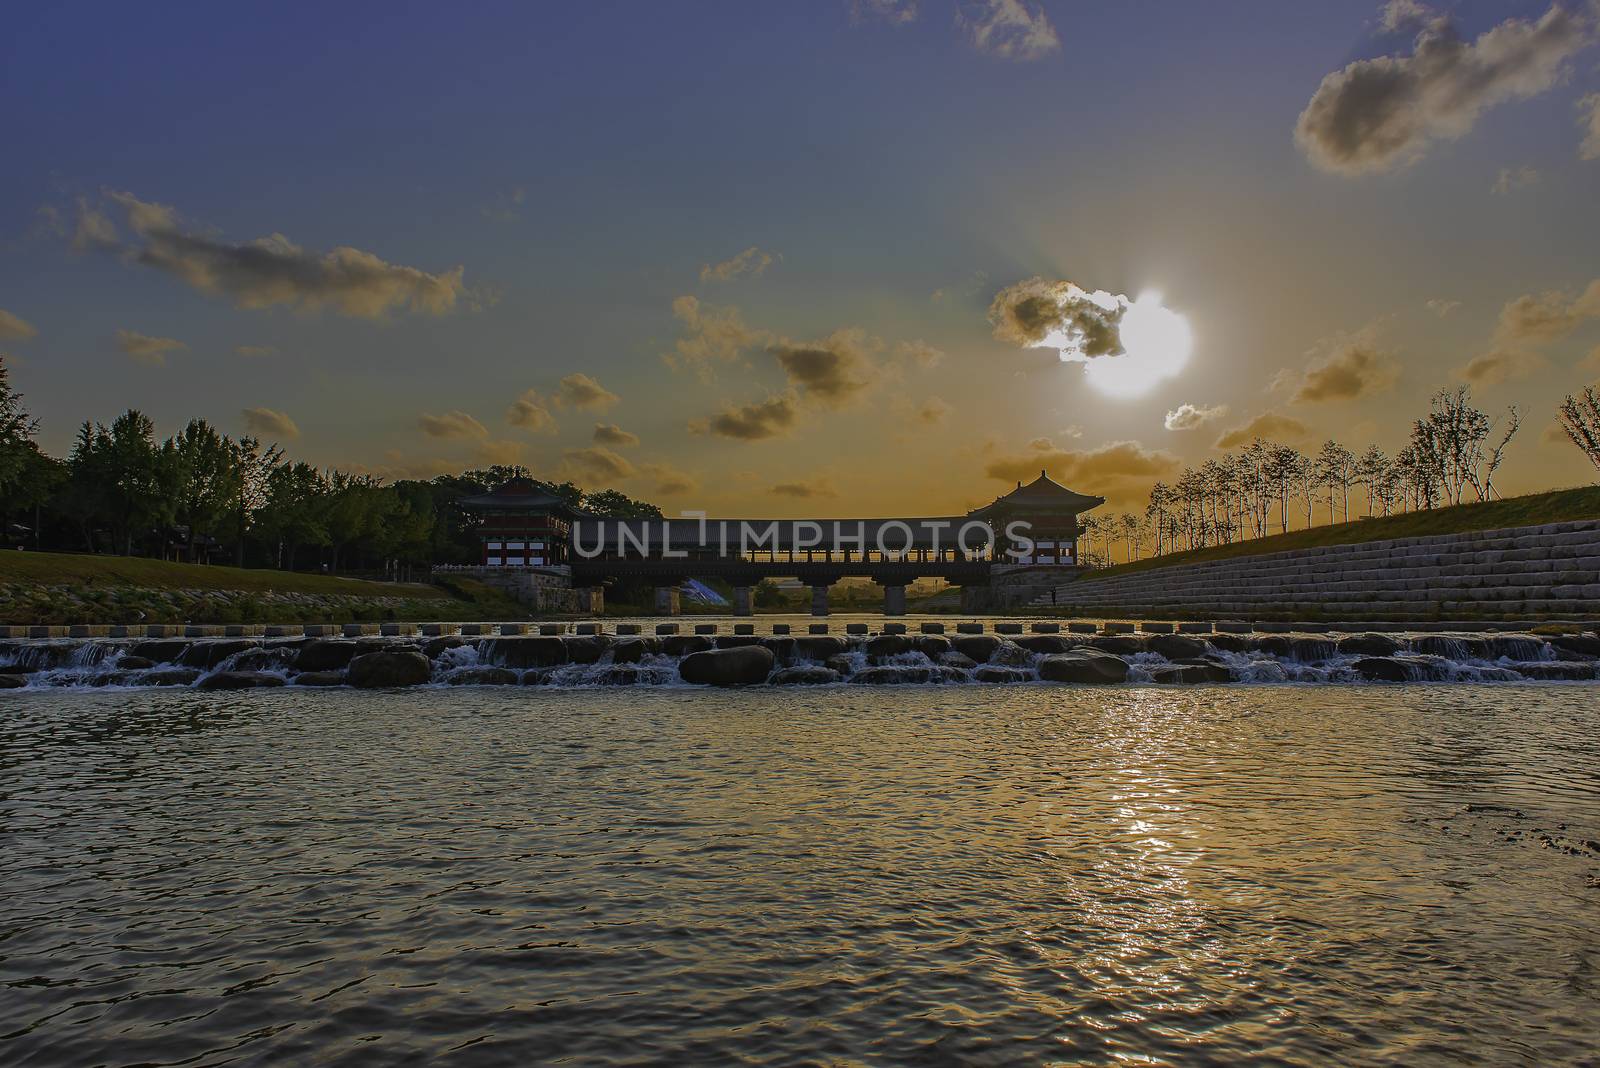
894,600
667,601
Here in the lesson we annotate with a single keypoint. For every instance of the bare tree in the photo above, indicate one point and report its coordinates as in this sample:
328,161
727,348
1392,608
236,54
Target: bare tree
1580,418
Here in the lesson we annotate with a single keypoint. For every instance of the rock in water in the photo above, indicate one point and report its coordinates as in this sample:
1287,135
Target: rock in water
239,680
1176,646
13,682
805,676
979,647
375,671
1046,643
999,673
1084,665
1368,645
1191,673
1381,669
209,654
525,652
320,678
743,666
483,676
325,655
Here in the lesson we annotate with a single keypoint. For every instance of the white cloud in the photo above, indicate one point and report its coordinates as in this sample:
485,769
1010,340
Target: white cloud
1008,29
150,351
270,424
1192,416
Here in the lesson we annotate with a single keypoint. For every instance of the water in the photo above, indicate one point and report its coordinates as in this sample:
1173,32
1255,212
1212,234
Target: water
991,875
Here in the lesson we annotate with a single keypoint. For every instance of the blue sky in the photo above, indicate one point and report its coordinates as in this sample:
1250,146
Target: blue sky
581,163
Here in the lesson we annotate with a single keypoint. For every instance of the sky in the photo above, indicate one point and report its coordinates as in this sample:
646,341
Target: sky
842,259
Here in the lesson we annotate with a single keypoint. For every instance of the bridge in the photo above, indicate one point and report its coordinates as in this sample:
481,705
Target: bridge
533,541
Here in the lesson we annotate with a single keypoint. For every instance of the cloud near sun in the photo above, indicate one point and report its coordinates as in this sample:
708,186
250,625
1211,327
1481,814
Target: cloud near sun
1126,346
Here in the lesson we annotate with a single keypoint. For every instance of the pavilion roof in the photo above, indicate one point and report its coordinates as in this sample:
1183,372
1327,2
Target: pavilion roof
1042,496
519,495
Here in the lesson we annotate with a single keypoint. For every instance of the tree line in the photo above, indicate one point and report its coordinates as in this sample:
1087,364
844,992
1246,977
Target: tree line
203,496
1269,488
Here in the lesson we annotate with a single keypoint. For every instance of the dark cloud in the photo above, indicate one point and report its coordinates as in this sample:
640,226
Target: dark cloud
531,412
894,12
1354,370
1268,426
712,336
581,391
612,434
1117,469
770,418
1589,121
1378,114
598,463
1059,314
150,351
15,328
752,261
268,423
1501,365
807,490
268,271
1538,319
453,424
1008,29
668,480
832,371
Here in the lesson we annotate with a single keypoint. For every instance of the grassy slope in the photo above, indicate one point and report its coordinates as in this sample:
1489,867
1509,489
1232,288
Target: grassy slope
1553,507
70,569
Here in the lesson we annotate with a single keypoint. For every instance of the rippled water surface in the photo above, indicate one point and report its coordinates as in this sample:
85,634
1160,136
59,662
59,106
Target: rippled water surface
954,875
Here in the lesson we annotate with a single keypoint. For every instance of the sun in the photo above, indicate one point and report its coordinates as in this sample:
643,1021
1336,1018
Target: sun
1156,343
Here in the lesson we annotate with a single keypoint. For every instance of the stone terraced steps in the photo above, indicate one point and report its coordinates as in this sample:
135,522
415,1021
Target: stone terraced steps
1550,571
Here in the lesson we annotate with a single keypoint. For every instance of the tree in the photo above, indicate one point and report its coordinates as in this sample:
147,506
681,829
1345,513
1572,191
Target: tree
254,467
202,470
1335,468
1370,472
1580,418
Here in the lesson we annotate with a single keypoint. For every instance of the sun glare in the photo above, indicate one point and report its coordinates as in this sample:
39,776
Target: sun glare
1156,345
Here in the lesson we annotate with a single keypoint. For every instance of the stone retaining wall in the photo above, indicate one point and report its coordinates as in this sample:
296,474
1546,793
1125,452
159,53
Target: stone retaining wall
1541,572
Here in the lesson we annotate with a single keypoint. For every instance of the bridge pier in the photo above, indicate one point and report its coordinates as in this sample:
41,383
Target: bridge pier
667,601
741,601
592,600
894,600
819,600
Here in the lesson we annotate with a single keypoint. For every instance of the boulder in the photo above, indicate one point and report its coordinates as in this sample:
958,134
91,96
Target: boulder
958,661
1577,644
1563,670
1516,647
629,651
619,675
744,666
160,650
977,647
325,654
1368,645
1191,673
320,678
1119,644
239,680
587,649
1230,643
538,677
1176,646
207,655
1046,643
735,641
685,644
888,645
1084,665
262,658
782,647
1381,669
434,646
169,676
840,663
999,673
524,652
820,646
13,682
1313,650
932,646
374,671
1274,645
804,675
135,663
483,676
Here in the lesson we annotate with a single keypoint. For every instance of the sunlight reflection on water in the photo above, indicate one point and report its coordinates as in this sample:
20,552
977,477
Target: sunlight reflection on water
954,874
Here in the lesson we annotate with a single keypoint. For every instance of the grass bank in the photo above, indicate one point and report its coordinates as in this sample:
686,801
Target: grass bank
74,588
1556,506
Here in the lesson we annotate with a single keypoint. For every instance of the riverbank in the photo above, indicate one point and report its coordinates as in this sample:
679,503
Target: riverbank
80,589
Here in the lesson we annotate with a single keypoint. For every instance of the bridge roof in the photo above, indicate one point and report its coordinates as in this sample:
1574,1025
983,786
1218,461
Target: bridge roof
712,535
1042,496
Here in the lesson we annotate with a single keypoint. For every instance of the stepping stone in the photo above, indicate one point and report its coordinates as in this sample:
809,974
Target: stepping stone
738,628
1008,628
1082,628
1117,628
588,629
628,628
932,628
894,628
1194,628
705,628
855,628
550,630
817,628
780,628
1046,628
666,628
969,628
1155,628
